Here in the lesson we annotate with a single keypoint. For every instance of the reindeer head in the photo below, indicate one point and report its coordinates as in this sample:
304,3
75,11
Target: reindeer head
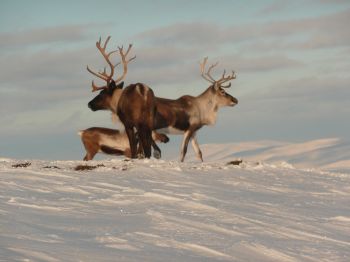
217,86
110,93
108,97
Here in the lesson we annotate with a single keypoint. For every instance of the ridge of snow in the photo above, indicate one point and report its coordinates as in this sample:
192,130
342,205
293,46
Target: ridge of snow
331,154
274,206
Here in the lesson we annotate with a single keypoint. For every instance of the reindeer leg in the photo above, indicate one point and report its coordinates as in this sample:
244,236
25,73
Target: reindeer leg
145,135
91,148
132,140
160,137
90,155
140,151
196,148
156,150
187,136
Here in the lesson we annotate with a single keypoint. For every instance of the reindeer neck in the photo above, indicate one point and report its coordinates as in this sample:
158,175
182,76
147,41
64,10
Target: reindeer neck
115,100
207,107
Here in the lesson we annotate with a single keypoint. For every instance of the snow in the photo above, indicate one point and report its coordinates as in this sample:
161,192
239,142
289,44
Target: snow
331,154
285,202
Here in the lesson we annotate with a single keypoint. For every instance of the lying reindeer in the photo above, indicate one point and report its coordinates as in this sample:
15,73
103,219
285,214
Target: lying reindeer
108,141
105,140
134,105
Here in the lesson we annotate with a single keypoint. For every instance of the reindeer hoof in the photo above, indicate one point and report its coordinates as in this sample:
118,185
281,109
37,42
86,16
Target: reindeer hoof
157,154
165,139
140,156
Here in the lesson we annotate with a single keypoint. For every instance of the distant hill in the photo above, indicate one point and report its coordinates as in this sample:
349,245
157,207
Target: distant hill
332,154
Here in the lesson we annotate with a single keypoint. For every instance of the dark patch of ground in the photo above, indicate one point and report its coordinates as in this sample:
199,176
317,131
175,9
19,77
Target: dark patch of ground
235,162
87,167
25,164
52,167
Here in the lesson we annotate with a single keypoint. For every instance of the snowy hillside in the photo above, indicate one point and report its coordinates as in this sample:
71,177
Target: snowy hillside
158,210
327,154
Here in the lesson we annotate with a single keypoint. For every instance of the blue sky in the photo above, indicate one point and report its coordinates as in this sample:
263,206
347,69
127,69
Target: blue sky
292,61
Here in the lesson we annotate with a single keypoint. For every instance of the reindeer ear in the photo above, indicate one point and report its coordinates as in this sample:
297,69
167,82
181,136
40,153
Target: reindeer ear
120,85
113,86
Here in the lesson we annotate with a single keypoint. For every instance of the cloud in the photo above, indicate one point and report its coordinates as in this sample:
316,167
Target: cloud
44,64
184,34
159,56
310,99
46,35
324,31
46,79
256,64
317,2
321,89
42,76
36,81
279,6
274,7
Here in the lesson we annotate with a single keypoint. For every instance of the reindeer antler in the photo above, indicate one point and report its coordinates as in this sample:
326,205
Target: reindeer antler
224,79
207,76
103,75
124,61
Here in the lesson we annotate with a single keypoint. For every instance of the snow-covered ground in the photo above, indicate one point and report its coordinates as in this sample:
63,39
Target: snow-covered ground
327,154
285,202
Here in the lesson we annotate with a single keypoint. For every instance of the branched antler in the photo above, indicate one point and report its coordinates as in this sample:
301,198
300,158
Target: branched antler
207,75
104,75
125,62
224,79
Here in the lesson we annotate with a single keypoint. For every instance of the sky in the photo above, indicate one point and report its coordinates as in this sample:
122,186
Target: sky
291,58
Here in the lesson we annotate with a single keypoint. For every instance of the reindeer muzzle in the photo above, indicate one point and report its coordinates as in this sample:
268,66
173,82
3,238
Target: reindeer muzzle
234,101
90,105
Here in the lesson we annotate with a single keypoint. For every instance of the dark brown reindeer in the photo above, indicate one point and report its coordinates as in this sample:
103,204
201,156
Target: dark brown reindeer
134,105
188,114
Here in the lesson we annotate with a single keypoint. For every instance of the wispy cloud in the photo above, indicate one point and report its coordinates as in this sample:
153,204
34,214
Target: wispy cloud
274,7
43,36
315,88
314,99
319,32
260,63
184,34
21,67
329,2
326,31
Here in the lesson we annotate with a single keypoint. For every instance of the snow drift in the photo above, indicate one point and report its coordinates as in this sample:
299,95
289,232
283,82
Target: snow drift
264,209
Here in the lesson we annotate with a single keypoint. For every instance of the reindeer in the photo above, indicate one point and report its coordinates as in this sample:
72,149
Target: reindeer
106,140
134,105
188,114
